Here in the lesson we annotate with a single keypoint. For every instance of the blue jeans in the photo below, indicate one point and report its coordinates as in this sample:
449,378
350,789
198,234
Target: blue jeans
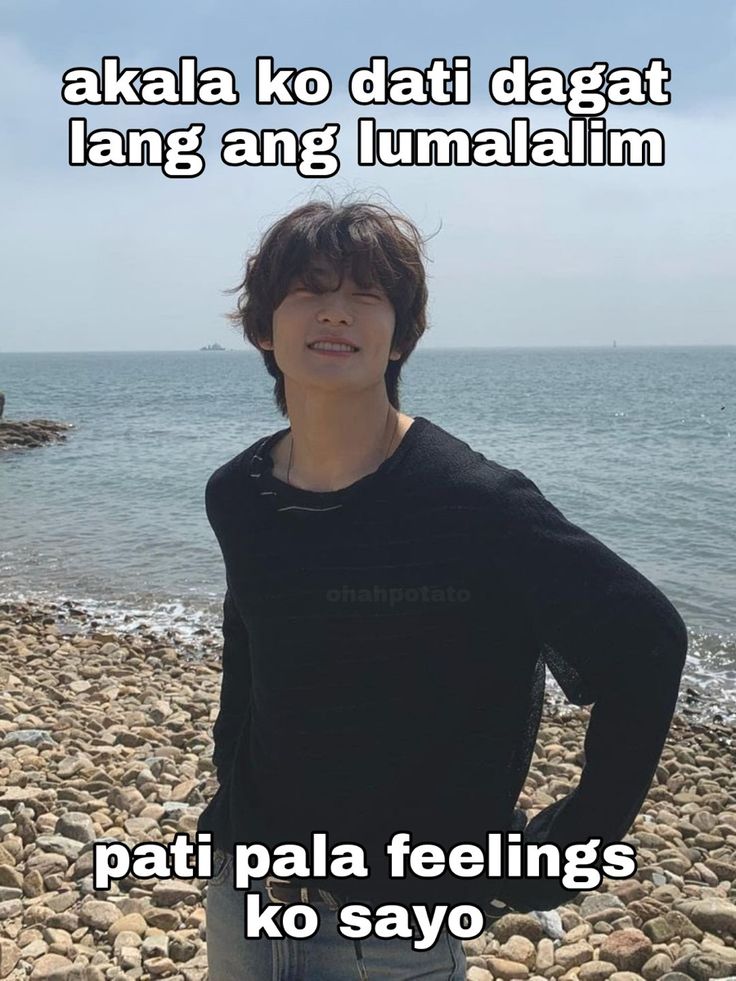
327,956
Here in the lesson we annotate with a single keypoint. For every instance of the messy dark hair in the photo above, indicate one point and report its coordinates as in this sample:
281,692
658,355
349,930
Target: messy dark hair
374,245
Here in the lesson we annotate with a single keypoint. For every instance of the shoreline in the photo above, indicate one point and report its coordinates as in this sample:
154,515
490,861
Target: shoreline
707,691
106,733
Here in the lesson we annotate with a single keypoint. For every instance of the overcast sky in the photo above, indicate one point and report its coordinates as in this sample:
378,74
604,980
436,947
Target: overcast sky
118,258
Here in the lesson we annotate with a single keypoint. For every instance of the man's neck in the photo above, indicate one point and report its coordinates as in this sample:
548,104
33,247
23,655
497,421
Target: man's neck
331,449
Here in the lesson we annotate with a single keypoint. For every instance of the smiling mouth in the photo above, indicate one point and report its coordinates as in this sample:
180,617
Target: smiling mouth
333,348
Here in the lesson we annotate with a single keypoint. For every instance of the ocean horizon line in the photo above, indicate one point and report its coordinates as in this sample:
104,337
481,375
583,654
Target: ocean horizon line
419,350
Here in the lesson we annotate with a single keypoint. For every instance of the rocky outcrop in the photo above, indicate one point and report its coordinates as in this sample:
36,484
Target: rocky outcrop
26,433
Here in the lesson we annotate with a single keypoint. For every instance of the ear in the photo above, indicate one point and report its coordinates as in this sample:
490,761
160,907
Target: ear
266,345
394,355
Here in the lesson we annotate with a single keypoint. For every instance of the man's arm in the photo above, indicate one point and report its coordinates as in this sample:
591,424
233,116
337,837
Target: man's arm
611,638
234,689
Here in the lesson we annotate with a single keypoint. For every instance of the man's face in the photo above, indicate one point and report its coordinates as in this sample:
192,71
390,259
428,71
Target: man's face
362,317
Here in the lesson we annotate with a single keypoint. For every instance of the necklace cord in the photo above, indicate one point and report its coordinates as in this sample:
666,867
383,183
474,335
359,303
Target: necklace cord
393,436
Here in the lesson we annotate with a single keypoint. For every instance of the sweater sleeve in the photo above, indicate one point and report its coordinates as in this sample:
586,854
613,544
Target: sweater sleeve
611,639
234,689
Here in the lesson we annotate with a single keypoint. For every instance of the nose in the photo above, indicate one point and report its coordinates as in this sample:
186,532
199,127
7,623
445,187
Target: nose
334,309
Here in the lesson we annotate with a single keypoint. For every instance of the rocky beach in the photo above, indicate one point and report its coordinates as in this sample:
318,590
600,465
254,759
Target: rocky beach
107,734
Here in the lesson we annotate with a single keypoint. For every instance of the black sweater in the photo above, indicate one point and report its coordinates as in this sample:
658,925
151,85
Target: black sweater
384,661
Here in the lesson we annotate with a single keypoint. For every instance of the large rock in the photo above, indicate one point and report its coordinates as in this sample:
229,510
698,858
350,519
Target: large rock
609,909
36,738
517,924
85,972
182,948
99,914
592,906
10,877
11,908
659,930
507,970
545,955
155,945
132,922
708,965
60,845
573,955
682,925
478,974
157,967
519,949
51,967
9,956
596,971
656,966
162,919
173,892
628,949
76,825
31,432
717,916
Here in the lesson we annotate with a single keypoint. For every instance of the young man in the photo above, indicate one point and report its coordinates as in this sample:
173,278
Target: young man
392,599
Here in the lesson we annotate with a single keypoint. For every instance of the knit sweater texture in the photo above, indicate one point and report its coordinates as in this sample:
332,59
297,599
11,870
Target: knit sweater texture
383,664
